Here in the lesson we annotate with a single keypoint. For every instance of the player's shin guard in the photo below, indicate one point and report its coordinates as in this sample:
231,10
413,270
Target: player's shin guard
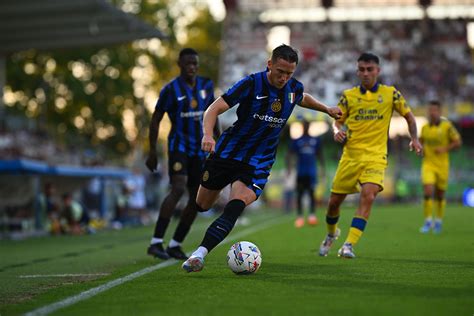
222,226
356,230
441,208
331,223
428,208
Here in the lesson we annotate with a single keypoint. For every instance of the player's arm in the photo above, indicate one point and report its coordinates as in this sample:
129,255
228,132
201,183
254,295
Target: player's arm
217,129
209,122
339,131
152,161
338,127
454,141
454,144
310,102
415,142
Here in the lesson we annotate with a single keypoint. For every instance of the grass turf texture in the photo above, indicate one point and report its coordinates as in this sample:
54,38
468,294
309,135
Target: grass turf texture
397,270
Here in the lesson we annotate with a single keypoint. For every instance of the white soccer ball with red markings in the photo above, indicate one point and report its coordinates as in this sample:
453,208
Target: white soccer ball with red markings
244,257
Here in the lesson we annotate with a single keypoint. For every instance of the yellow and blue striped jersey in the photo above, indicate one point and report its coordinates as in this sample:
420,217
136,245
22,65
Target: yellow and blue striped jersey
434,136
366,116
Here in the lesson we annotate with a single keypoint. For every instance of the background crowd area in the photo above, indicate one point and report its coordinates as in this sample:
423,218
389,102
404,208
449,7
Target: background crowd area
425,59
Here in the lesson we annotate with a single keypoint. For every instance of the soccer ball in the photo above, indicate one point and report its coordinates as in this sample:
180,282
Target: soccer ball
244,258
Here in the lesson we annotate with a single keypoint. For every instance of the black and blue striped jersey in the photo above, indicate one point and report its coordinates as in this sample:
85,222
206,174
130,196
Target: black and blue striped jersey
185,107
305,148
262,112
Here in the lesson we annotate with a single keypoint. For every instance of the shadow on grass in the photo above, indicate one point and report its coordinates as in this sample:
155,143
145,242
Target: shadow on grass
447,263
356,279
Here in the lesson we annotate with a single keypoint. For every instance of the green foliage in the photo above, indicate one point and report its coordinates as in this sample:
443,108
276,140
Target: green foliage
80,95
205,38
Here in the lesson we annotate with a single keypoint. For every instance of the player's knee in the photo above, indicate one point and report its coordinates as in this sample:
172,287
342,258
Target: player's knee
202,203
369,196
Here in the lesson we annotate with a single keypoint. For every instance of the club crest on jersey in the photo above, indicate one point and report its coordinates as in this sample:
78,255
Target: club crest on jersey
380,99
194,103
177,166
205,176
291,97
202,94
276,106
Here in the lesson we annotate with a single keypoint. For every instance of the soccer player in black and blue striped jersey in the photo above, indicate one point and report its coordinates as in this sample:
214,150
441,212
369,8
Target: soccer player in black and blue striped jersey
246,151
184,99
308,152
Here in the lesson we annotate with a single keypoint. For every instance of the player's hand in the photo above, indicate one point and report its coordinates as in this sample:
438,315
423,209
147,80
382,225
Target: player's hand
208,144
151,161
335,112
416,146
440,150
340,136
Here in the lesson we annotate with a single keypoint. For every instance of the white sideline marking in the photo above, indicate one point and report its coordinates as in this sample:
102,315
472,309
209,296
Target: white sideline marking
66,275
45,310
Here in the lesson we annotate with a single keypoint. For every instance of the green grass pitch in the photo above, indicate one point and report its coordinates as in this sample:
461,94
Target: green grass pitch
397,270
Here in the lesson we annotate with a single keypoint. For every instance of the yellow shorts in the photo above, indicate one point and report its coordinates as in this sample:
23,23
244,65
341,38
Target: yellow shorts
431,175
350,174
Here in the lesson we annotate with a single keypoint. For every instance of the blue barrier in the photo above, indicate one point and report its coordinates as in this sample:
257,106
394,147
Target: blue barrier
24,166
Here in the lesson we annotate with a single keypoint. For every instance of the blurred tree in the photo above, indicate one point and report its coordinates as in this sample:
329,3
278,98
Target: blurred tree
101,98
204,35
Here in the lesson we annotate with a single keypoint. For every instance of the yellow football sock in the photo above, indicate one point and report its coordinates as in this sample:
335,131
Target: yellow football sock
428,208
441,208
331,224
356,230
354,235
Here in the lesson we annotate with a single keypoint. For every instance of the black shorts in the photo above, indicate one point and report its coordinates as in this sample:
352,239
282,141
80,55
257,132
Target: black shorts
181,164
219,172
305,183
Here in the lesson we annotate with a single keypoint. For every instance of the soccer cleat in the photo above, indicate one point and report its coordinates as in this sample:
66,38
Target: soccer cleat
177,253
313,220
299,222
437,227
327,243
426,227
157,251
193,264
346,251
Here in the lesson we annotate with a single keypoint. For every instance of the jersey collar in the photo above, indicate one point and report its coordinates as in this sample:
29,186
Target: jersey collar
373,89
185,84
